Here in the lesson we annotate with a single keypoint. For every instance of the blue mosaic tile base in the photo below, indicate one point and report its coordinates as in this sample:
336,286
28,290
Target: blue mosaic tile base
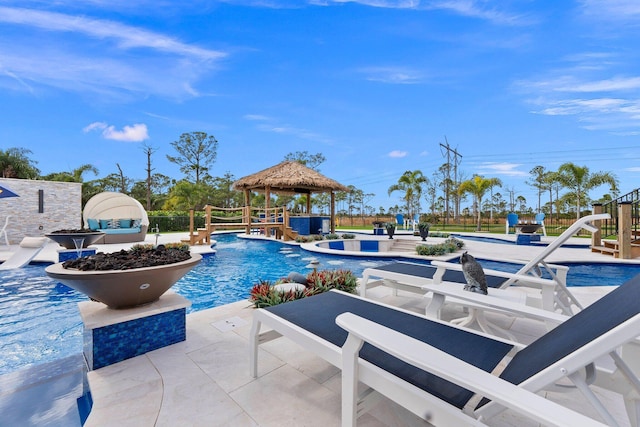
73,254
115,343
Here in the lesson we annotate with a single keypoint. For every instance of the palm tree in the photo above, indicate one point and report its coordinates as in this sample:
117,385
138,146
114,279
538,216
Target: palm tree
410,183
478,186
580,181
15,163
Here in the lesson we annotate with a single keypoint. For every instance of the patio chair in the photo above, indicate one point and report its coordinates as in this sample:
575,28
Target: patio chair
400,221
3,232
511,222
27,251
539,219
415,221
454,376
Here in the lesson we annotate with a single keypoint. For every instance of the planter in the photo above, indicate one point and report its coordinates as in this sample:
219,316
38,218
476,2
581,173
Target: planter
124,288
424,233
66,239
391,231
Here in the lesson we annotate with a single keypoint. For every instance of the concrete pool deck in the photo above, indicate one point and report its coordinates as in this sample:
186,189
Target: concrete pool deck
205,380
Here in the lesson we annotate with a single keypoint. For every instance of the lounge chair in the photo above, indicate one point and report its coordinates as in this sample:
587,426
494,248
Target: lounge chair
27,250
445,374
400,221
555,296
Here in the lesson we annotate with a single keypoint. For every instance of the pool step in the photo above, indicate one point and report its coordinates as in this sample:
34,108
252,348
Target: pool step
611,247
404,245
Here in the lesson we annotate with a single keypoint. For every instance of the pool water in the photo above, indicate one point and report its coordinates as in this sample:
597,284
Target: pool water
581,274
40,322
488,239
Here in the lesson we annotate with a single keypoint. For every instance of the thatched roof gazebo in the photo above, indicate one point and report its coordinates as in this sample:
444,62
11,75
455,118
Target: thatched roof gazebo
290,177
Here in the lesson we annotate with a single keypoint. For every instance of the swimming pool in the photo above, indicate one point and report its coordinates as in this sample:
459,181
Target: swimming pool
489,239
40,322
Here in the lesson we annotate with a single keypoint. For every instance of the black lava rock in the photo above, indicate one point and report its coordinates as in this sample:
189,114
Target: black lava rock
126,260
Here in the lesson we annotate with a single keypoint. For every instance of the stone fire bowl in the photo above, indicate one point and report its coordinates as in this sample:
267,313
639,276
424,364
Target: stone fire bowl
66,239
124,288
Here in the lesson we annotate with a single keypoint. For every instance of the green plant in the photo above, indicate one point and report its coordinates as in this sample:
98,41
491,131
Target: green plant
448,246
348,236
390,225
423,225
438,234
264,294
332,236
173,245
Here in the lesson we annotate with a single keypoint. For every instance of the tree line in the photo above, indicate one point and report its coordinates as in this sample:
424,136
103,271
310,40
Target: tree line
563,191
567,190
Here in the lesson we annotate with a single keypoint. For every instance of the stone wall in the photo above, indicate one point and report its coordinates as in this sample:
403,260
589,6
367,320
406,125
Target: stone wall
42,207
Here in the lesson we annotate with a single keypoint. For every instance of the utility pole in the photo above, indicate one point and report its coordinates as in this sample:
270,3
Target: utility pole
456,160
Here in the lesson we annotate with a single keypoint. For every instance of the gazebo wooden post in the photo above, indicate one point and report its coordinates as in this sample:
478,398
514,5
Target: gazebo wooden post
267,198
246,212
333,212
309,203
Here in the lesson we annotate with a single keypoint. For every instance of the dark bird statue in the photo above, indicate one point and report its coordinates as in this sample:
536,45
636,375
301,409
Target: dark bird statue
473,274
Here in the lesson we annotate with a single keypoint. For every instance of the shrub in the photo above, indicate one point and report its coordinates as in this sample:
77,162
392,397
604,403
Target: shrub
263,294
342,280
174,245
332,236
438,234
348,236
448,246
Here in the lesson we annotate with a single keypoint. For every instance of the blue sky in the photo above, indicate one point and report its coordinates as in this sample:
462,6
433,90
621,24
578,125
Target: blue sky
374,85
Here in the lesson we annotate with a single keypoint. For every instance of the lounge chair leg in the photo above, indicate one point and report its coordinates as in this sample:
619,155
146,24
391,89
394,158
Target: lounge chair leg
254,340
350,352
632,406
581,385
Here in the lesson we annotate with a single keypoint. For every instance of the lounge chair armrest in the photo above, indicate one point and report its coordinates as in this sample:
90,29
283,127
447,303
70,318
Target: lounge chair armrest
437,362
522,279
497,300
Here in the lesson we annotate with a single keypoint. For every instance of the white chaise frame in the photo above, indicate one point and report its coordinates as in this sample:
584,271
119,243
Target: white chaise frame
554,292
520,398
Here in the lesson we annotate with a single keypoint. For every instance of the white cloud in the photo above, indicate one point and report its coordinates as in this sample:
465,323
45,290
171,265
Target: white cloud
468,8
619,10
135,133
393,75
127,36
92,57
256,117
614,84
608,99
507,169
397,154
94,126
